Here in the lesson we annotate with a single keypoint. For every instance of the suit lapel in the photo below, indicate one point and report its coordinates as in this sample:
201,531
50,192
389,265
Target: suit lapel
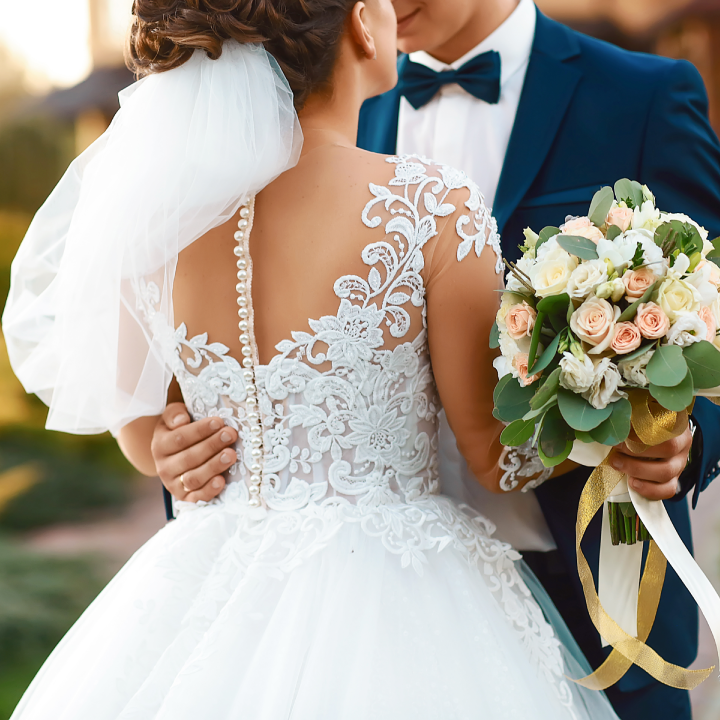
549,86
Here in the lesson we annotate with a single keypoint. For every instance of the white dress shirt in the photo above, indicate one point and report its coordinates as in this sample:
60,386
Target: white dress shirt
472,135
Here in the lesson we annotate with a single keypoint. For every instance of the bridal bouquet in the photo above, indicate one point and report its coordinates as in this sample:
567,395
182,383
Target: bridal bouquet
597,314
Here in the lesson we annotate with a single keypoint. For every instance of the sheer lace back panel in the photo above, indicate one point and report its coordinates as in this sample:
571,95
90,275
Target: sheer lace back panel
347,398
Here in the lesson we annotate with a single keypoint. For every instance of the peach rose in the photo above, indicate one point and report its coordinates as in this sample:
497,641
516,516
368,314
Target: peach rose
620,217
706,315
593,322
626,338
638,281
520,363
651,321
520,320
582,227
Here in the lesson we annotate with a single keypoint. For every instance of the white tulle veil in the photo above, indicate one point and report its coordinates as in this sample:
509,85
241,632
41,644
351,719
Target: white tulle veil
187,147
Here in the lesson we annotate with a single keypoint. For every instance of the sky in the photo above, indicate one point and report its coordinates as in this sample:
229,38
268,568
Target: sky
51,38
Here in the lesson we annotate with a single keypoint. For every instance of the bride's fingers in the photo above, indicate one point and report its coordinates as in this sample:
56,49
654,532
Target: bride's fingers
654,490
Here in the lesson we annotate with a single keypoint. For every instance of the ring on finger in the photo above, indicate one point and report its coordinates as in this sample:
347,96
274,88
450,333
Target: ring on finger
182,482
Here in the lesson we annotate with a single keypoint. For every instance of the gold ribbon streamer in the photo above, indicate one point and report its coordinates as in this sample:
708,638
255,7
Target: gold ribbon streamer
652,425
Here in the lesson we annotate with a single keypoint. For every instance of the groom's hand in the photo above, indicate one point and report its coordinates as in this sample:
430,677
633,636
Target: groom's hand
191,457
655,473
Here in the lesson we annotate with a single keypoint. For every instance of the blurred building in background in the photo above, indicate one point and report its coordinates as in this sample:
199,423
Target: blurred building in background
686,29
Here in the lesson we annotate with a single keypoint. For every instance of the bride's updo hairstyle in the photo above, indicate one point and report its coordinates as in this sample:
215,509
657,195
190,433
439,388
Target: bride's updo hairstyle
302,35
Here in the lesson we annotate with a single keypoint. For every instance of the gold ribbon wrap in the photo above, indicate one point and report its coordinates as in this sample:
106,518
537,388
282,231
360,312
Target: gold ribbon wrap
652,425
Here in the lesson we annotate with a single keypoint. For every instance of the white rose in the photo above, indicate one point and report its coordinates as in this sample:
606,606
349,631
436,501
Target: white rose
700,280
688,329
576,375
715,307
634,371
677,297
666,217
548,247
619,251
614,290
552,271
525,265
503,366
606,383
586,277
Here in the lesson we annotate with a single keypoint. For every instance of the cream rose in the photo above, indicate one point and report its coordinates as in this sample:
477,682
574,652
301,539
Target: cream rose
686,330
708,317
551,273
585,278
576,375
520,320
634,371
677,297
621,217
582,227
606,385
520,364
626,338
651,321
638,281
593,322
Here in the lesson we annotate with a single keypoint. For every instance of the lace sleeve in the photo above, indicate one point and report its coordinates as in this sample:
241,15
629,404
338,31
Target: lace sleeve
464,275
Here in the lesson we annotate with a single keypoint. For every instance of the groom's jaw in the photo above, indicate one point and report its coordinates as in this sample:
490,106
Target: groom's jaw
448,29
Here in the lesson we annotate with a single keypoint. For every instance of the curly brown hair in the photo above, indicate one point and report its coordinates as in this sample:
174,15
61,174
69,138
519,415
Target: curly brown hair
302,35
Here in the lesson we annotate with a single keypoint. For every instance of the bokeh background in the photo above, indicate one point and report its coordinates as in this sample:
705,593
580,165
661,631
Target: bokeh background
71,509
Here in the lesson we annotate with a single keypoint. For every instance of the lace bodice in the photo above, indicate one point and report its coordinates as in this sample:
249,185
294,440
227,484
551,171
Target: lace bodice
349,408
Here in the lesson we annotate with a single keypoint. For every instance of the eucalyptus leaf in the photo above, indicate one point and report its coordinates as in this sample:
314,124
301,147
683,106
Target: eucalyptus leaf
581,247
676,398
585,437
517,433
559,459
616,428
579,414
533,414
613,232
637,353
553,304
512,400
631,311
535,339
716,252
703,360
555,433
630,191
547,391
667,367
547,357
600,205
494,336
545,235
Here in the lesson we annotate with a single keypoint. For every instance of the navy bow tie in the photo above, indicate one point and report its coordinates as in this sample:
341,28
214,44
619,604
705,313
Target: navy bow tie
479,76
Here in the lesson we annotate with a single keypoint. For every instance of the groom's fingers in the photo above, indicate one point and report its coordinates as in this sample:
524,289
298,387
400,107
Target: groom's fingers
671,448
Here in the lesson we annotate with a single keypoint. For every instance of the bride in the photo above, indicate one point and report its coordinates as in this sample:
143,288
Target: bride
216,247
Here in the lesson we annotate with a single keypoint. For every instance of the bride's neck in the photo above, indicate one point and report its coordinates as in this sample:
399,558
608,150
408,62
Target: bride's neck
331,117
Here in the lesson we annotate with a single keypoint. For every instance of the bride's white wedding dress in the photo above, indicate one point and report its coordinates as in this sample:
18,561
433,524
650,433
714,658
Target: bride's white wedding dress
337,584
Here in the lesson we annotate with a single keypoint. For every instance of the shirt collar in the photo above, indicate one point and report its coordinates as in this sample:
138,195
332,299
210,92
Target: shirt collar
513,40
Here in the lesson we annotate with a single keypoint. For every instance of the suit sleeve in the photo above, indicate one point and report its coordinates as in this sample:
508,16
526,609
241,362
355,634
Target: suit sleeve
681,165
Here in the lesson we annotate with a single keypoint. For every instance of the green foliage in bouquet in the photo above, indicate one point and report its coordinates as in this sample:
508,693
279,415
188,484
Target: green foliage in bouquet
623,235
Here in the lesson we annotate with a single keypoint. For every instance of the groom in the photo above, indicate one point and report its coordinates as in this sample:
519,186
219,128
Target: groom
541,117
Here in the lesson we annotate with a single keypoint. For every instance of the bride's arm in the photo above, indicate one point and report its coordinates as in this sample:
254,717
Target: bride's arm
462,300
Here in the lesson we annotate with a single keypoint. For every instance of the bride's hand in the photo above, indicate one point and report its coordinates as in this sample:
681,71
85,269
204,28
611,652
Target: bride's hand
655,473
191,457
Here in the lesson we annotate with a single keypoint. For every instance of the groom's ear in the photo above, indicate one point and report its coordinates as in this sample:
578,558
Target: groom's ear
360,32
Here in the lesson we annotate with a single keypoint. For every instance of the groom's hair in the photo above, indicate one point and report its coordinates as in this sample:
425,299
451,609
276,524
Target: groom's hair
302,35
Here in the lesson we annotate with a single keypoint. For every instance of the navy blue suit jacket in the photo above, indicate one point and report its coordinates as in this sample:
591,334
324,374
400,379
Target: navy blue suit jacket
590,114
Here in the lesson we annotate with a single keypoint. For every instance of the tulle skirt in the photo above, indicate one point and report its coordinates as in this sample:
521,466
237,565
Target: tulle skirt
313,615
